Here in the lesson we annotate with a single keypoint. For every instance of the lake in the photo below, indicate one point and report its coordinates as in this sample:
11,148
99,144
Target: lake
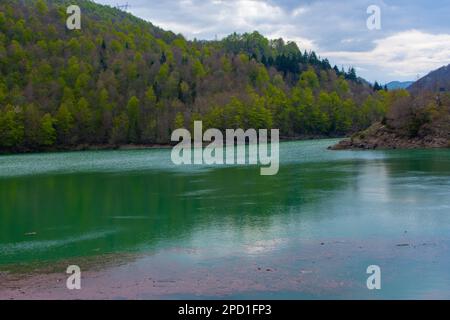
141,227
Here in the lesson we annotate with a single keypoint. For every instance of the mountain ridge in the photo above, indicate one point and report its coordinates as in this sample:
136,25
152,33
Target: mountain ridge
436,81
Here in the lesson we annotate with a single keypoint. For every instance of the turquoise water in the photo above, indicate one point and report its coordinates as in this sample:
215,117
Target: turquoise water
316,226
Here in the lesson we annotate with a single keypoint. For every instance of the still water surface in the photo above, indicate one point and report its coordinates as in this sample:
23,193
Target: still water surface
309,232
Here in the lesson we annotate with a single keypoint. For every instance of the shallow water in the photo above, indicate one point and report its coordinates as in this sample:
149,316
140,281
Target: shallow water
309,232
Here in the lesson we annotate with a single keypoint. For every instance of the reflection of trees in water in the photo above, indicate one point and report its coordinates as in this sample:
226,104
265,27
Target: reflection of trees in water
143,208
427,162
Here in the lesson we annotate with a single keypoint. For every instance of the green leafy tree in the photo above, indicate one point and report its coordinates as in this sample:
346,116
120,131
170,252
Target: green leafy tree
41,6
120,129
47,136
32,126
179,121
64,123
11,128
133,113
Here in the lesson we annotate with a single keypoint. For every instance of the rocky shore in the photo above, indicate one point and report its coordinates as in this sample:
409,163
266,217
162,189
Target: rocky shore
380,136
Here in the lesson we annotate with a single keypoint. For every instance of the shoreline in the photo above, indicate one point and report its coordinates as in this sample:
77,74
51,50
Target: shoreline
316,271
124,147
100,147
365,140
380,137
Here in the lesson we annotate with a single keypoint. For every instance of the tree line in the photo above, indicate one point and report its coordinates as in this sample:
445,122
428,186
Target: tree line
121,80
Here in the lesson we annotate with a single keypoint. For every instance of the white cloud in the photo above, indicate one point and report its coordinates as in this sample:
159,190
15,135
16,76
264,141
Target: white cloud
299,11
403,55
334,29
208,19
290,33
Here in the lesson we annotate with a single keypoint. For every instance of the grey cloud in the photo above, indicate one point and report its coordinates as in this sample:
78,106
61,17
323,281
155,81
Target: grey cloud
330,27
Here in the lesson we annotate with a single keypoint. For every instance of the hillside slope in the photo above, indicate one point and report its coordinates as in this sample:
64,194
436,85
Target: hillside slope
417,118
436,81
121,80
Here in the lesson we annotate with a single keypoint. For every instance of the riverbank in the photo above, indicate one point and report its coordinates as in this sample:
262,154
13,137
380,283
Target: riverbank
379,136
86,147
108,147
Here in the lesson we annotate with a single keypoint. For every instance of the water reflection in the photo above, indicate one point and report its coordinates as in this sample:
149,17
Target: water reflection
329,214
64,215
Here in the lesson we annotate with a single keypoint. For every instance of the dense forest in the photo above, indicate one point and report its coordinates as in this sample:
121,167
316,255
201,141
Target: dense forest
121,80
416,118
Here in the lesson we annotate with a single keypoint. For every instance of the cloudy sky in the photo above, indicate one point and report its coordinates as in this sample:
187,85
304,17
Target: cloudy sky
414,37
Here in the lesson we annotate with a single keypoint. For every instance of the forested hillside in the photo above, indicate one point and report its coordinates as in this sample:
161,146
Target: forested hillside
121,80
416,118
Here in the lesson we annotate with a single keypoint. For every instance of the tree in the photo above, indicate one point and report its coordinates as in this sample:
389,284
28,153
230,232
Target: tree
150,96
64,123
133,113
351,75
47,136
11,128
309,79
41,6
120,129
377,86
32,126
179,121
83,121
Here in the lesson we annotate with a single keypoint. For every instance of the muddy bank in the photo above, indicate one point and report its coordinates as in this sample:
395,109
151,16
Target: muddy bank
162,276
380,136
334,268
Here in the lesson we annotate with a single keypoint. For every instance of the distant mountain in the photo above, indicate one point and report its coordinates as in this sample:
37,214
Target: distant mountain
394,85
435,81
